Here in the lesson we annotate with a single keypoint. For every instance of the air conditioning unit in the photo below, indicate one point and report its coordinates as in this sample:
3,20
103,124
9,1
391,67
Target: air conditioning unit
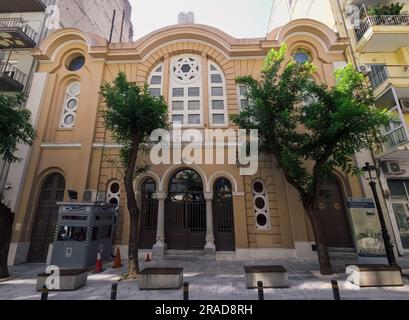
404,103
392,168
93,196
365,69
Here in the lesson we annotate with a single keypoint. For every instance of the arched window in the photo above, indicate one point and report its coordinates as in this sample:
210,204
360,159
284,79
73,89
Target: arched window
70,107
186,90
217,96
302,55
156,81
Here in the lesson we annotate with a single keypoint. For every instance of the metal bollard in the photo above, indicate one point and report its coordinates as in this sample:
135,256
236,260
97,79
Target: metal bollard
335,290
186,291
114,290
44,293
260,290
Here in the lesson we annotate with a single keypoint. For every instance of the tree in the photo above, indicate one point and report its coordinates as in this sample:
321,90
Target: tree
132,115
311,129
15,129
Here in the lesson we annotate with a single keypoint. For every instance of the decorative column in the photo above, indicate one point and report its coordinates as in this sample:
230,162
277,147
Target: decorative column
159,248
210,248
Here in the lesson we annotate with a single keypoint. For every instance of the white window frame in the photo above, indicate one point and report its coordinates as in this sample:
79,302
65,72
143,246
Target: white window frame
158,74
175,83
66,110
223,98
241,97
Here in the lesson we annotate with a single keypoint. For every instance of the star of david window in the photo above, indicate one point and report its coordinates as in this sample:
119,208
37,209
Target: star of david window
186,69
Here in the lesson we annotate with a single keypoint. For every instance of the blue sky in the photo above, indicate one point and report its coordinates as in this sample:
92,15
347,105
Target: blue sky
239,18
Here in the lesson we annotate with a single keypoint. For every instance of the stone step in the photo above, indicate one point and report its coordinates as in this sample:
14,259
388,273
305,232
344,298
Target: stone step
186,257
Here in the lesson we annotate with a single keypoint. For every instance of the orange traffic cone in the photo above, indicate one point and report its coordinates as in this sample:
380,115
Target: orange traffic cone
147,257
98,265
117,262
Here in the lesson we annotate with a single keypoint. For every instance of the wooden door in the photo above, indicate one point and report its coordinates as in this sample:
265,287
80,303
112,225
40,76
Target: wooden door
333,216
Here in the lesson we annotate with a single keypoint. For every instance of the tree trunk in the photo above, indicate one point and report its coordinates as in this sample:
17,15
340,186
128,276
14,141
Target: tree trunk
323,254
133,263
6,228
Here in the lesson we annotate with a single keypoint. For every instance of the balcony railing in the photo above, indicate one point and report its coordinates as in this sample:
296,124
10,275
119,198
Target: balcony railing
18,23
393,73
370,21
13,73
378,75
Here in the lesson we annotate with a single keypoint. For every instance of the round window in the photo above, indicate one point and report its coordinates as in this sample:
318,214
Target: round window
113,201
75,89
260,203
76,63
261,220
114,188
258,187
69,120
72,104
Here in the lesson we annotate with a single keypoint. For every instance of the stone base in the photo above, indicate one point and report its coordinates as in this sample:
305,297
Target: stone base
159,250
70,280
271,276
161,279
374,276
210,249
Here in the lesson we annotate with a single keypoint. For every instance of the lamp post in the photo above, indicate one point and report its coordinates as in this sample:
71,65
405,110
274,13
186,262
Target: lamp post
385,234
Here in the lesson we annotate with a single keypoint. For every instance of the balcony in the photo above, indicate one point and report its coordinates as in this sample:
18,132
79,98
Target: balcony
16,33
11,78
395,145
383,33
23,5
384,76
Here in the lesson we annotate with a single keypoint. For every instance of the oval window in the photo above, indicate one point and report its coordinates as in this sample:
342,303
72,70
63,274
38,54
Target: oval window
76,63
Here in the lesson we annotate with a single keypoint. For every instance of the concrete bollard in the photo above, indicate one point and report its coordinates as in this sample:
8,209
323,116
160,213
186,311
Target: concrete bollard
186,291
335,290
44,293
260,290
114,290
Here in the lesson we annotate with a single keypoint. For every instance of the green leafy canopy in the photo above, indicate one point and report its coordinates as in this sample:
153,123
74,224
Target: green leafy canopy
310,129
15,125
132,113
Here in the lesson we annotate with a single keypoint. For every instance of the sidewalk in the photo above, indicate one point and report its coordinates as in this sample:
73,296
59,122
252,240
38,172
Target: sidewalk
208,280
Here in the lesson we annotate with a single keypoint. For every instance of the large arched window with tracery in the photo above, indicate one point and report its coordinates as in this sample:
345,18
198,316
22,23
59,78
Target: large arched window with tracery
186,94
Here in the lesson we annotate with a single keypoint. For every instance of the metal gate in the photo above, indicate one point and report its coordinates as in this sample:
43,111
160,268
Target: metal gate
42,234
223,218
149,215
185,212
185,222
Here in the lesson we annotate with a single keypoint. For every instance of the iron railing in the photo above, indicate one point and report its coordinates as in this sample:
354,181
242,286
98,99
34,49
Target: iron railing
20,24
370,21
378,75
382,72
13,73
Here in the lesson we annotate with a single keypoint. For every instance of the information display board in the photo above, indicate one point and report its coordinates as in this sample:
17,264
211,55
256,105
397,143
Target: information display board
366,227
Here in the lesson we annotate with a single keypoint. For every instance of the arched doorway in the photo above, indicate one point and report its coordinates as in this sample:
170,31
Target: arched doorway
149,215
333,216
223,218
45,221
185,212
